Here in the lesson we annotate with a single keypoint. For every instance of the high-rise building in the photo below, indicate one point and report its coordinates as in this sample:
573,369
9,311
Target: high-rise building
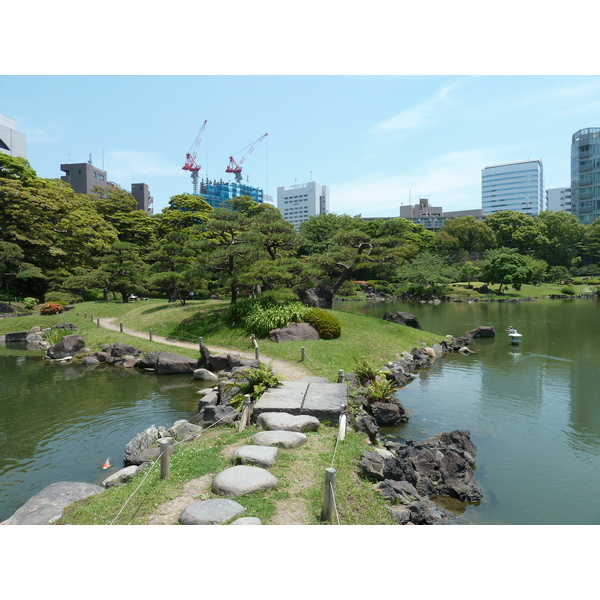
585,174
558,200
83,177
216,193
513,186
12,142
299,202
142,196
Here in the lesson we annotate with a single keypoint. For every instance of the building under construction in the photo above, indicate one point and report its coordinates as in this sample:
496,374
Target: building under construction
218,192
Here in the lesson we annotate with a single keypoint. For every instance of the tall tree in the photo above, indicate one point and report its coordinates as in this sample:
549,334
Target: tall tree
464,235
564,233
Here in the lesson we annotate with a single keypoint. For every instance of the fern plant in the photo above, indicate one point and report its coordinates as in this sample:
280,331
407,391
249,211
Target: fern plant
380,390
254,382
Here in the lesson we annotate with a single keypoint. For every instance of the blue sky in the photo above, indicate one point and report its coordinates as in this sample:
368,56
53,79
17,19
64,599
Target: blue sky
385,106
377,141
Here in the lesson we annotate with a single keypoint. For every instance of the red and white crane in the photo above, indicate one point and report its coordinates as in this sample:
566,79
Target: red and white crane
236,167
190,160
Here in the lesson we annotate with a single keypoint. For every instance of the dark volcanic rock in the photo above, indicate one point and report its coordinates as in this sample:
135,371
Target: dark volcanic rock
481,331
294,332
403,318
67,346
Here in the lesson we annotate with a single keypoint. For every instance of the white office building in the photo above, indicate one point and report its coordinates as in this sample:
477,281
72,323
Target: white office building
12,142
558,200
299,202
513,186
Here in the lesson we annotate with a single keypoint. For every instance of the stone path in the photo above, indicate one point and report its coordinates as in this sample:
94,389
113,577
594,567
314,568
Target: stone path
286,370
281,430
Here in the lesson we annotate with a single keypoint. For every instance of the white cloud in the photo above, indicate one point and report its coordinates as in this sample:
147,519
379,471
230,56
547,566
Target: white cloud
123,164
419,115
452,181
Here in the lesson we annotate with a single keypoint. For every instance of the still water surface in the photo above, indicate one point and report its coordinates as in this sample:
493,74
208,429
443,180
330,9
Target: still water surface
533,410
60,422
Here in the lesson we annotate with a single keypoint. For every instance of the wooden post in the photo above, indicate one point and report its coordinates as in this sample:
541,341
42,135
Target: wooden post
164,459
121,327
340,376
200,344
92,318
85,315
328,499
150,332
245,413
342,424
97,322
302,353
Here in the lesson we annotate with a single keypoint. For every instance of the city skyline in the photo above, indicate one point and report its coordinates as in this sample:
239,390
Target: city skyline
376,141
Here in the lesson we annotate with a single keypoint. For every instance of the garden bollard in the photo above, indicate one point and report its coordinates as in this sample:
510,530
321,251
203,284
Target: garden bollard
200,344
328,497
150,335
340,376
121,327
302,353
97,322
164,459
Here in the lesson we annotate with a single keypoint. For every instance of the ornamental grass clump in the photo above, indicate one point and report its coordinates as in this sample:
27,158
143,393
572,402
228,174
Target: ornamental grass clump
261,316
325,323
51,308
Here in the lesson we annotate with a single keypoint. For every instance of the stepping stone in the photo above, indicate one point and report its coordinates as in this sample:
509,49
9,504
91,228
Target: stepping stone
241,480
281,439
323,400
287,398
260,456
247,521
275,421
211,512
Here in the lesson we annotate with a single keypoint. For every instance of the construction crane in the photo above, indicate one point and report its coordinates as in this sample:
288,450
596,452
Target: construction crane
236,167
190,160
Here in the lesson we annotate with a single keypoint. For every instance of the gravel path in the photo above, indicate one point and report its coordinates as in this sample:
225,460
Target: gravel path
285,370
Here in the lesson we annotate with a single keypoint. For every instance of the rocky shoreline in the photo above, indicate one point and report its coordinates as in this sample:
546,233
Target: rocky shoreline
408,476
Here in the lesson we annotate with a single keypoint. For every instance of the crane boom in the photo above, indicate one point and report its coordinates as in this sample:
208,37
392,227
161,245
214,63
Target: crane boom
190,159
234,166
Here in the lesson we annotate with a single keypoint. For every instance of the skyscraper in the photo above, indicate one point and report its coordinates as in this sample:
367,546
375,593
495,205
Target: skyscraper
12,142
513,186
298,202
585,174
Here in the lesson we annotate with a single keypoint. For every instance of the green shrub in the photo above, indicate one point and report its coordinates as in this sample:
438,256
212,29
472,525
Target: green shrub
29,303
51,308
325,323
569,290
63,298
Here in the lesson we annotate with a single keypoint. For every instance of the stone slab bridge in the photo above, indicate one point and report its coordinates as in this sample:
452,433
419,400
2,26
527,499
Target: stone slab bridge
315,396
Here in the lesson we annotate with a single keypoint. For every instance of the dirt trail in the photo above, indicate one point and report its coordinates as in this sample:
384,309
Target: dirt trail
286,370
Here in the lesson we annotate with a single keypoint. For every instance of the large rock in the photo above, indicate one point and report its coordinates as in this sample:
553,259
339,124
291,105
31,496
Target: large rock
211,512
47,506
184,430
388,414
481,331
205,375
241,480
121,476
140,448
209,415
67,346
294,332
167,363
403,318
320,296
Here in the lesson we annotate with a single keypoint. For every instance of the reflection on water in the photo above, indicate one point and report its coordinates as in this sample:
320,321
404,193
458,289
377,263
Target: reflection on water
59,422
532,409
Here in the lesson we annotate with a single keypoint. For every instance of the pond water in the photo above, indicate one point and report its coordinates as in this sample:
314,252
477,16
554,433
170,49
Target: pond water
60,422
533,410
